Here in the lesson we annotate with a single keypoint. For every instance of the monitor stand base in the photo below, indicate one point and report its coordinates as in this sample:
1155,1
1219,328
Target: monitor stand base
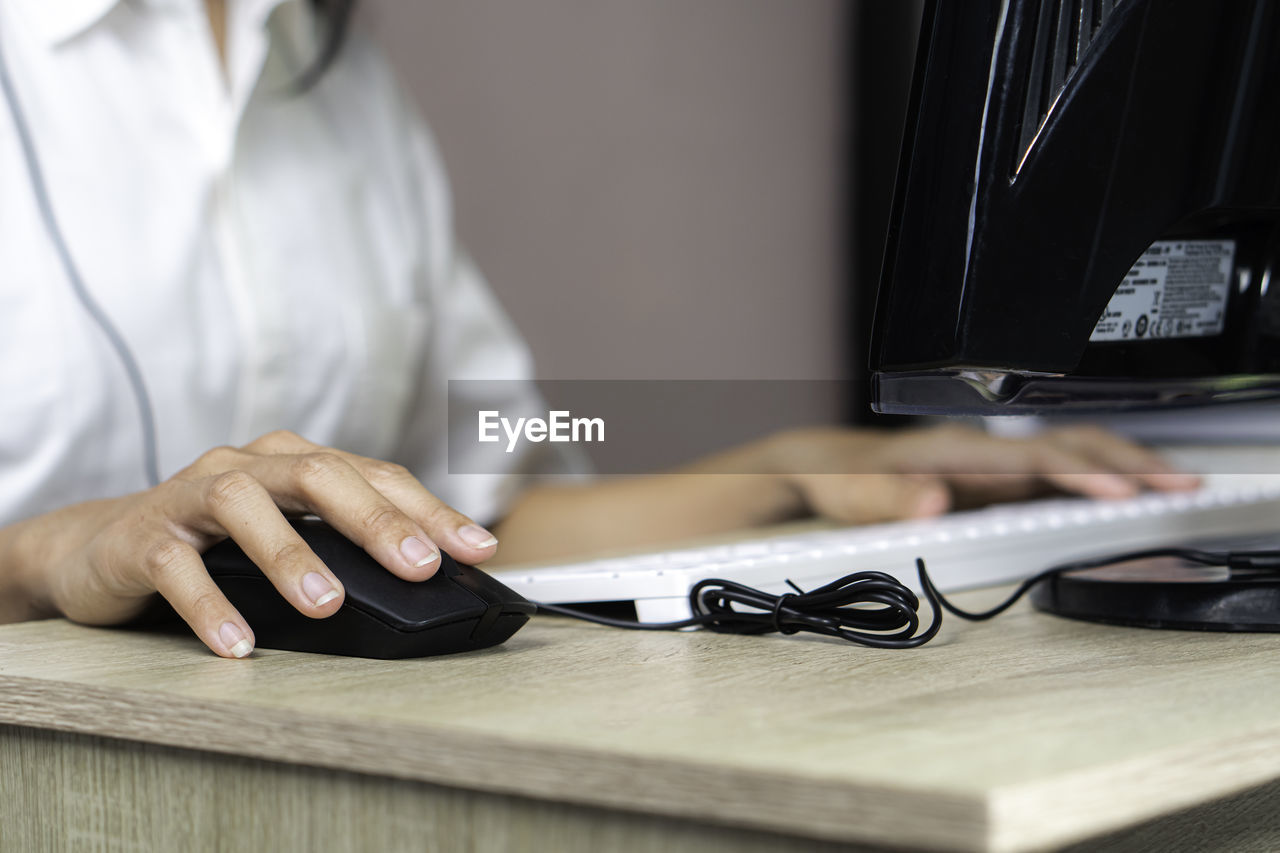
1164,593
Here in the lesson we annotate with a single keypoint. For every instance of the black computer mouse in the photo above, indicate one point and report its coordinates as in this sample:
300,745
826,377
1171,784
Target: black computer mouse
457,609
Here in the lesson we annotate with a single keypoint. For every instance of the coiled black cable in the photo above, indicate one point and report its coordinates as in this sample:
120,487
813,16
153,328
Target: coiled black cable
868,608
873,608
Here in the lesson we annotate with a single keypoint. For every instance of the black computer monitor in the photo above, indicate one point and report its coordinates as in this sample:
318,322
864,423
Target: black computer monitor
1087,217
1087,210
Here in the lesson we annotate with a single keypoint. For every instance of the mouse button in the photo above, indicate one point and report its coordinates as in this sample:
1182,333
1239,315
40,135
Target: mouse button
372,588
350,631
491,590
416,605
333,549
227,558
355,632
267,612
449,566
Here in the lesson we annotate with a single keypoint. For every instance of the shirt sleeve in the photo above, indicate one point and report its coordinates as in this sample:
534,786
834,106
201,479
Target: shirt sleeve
469,337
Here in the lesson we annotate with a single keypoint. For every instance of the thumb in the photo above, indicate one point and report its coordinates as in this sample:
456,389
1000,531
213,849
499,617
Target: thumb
871,498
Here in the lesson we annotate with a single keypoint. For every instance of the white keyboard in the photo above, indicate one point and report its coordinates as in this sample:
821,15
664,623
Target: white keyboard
995,545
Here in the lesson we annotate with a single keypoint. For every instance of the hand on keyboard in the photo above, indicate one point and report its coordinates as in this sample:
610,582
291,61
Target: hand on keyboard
871,476
850,476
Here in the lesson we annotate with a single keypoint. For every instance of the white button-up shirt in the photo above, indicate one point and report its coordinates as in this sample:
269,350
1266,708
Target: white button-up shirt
273,260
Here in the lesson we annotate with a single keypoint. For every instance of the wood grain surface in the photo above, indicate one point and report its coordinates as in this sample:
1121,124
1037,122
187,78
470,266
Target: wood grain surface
1023,733
77,792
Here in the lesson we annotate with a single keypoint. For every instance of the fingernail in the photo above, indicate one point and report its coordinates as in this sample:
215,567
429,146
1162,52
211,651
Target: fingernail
235,640
417,552
476,536
318,588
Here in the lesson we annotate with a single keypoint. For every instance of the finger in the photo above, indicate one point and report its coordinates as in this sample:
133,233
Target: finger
957,450
873,498
1005,461
974,490
1073,472
444,526
456,533
328,485
177,572
1126,457
242,508
281,442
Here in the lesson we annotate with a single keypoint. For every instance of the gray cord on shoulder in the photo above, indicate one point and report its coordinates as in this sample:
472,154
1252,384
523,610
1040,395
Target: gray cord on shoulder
114,338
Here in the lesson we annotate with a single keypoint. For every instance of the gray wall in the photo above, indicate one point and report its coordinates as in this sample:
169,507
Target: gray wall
651,186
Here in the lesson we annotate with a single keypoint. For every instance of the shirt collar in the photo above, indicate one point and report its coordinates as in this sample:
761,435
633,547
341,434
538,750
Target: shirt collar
61,20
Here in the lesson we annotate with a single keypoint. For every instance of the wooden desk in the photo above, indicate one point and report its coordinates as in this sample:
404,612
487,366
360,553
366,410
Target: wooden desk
1024,733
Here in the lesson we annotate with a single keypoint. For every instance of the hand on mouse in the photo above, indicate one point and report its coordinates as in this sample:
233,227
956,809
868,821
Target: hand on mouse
100,562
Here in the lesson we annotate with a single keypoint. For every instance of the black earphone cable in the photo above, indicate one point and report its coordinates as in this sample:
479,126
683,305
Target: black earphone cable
875,609
868,608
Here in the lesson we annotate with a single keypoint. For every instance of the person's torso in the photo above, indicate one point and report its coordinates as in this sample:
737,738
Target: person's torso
261,252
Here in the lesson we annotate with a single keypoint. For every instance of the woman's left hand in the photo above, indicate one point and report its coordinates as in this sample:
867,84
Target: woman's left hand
848,475
869,475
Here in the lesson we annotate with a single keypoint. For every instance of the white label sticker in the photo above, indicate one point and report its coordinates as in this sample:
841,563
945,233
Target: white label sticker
1177,289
